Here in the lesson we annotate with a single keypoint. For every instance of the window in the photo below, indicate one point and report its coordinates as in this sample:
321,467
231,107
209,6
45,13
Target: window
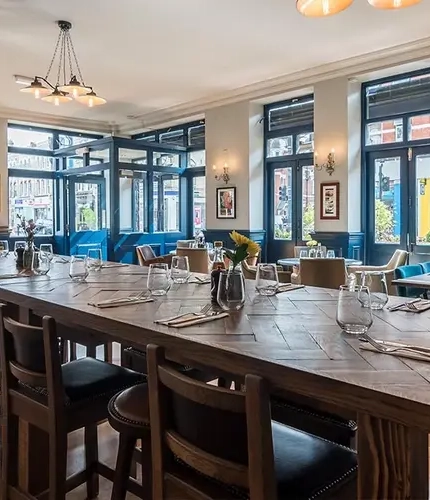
32,199
87,206
132,156
174,138
199,203
166,160
419,127
64,140
74,162
308,197
132,199
305,143
384,132
296,113
29,138
30,162
280,146
166,202
147,138
197,158
283,203
196,136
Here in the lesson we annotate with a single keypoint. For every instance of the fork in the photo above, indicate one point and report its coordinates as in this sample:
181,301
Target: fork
178,318
407,304
389,349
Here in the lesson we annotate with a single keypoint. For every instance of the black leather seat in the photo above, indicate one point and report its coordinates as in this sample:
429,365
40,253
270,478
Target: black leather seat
131,406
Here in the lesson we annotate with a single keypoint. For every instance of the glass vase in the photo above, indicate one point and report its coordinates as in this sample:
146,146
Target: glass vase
231,289
27,257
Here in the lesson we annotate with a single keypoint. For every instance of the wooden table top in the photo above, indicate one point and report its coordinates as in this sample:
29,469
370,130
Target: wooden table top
419,281
291,339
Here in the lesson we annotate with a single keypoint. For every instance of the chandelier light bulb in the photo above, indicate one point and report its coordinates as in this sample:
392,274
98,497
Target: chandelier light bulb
322,8
56,101
37,93
91,99
392,4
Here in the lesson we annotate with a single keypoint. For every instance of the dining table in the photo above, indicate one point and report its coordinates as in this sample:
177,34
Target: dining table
419,281
290,339
295,262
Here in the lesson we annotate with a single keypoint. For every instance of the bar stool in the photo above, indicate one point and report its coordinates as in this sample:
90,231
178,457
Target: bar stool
55,398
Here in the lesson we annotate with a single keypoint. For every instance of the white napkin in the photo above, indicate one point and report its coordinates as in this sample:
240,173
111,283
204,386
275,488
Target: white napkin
126,301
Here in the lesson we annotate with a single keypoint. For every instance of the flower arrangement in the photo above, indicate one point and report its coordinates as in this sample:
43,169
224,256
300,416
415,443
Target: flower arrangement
312,243
244,248
29,228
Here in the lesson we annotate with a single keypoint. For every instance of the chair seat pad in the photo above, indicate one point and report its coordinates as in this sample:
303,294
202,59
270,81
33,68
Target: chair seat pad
132,405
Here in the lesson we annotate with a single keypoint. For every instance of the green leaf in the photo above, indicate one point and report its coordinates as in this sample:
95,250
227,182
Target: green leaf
229,254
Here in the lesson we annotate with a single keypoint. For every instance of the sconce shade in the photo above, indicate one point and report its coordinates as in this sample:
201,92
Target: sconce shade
392,4
322,8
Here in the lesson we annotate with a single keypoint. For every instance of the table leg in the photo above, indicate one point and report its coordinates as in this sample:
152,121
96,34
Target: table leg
392,460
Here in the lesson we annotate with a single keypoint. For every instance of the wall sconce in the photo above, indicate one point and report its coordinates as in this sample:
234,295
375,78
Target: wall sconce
328,165
225,176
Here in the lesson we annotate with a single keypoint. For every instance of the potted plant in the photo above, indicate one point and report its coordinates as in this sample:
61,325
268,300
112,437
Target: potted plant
30,230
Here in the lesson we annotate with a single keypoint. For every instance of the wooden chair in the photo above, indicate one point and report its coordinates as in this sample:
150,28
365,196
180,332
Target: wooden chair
327,273
212,443
56,399
250,273
146,256
198,259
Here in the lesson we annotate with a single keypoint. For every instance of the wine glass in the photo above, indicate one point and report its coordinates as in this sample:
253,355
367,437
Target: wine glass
158,282
94,259
180,269
376,282
303,254
350,315
46,249
330,254
4,248
266,281
78,271
41,263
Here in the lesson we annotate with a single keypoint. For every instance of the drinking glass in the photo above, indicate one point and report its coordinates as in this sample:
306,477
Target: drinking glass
158,279
266,281
312,253
4,248
18,244
376,282
231,290
78,268
303,254
94,259
46,248
350,315
41,263
330,254
180,269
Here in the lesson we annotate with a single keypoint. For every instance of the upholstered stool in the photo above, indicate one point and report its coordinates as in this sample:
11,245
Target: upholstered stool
129,415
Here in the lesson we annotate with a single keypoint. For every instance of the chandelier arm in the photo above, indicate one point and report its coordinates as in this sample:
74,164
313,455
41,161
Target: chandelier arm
53,58
60,62
46,81
64,57
69,54
76,62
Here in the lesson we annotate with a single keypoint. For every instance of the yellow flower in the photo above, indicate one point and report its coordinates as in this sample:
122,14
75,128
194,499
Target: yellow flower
312,243
253,248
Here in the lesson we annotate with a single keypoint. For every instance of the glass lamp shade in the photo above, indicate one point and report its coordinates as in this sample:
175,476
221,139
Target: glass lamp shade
74,88
36,88
91,99
322,8
392,4
57,97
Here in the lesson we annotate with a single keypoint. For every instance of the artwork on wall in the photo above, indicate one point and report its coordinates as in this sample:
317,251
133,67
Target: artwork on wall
226,203
329,201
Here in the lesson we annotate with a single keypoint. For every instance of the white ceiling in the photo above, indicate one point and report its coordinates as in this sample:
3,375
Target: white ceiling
145,56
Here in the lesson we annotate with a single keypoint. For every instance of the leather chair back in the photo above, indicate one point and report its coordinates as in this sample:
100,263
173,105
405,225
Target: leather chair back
198,259
326,273
408,272
145,252
184,243
399,258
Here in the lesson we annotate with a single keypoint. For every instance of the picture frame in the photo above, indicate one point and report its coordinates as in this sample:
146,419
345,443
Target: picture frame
329,201
226,203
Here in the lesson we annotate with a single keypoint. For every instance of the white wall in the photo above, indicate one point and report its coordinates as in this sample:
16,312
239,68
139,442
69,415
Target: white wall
4,184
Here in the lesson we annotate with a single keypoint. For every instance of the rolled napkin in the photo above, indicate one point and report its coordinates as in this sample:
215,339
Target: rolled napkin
197,280
107,265
125,301
197,321
288,287
418,306
402,354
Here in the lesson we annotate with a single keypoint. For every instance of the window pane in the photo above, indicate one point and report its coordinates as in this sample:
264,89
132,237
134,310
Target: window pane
196,136
147,138
29,139
166,160
88,209
419,127
197,158
293,114
132,198
384,132
387,200
423,199
283,203
280,146
132,156
72,140
171,204
176,137
30,162
74,162
101,156
199,202
308,207
32,199
305,143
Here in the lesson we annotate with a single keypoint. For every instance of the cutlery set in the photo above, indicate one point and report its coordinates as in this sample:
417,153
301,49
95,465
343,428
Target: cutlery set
193,318
394,348
415,305
140,298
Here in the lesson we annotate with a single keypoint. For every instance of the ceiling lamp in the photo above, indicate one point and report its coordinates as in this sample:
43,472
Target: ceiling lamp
68,71
321,8
392,4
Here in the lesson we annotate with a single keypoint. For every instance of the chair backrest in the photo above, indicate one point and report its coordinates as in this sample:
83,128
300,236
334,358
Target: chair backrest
198,259
196,423
326,273
399,258
144,252
408,272
30,355
250,273
184,243
426,267
297,250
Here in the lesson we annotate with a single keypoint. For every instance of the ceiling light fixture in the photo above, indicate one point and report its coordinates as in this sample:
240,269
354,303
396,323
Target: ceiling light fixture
69,89
324,8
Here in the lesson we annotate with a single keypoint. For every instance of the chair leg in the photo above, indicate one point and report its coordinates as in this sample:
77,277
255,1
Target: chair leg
123,464
146,463
108,352
9,471
57,465
91,459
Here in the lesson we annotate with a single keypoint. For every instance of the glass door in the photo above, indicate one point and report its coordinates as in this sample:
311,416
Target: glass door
292,207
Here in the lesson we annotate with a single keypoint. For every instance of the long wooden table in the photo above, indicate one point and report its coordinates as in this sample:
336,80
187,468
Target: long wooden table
419,281
291,340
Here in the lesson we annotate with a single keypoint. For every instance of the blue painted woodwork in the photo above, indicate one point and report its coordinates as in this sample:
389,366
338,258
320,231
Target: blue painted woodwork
345,244
408,272
82,241
259,236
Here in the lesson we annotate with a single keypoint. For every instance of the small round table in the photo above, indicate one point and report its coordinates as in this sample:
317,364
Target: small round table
293,261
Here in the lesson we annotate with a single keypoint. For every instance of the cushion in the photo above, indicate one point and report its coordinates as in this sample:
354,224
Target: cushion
407,272
426,267
131,405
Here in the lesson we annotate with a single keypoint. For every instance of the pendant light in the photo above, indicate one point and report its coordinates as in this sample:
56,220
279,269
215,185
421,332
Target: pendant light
70,87
392,4
321,8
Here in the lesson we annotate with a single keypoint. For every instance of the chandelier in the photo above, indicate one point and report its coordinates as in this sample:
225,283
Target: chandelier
321,8
68,71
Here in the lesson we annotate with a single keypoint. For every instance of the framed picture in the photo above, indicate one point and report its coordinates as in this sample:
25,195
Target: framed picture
329,201
226,203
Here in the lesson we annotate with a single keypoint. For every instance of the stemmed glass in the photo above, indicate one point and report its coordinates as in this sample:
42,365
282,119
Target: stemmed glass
180,269
78,268
46,249
376,282
4,248
350,315
158,279
266,281
94,259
